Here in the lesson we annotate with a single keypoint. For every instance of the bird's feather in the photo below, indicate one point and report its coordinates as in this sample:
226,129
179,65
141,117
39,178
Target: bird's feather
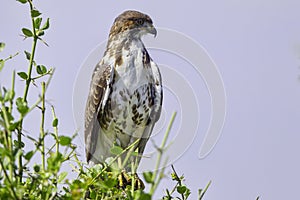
125,96
99,90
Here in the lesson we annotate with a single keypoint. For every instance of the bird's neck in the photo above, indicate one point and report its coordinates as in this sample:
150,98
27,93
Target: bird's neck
127,55
124,39
123,43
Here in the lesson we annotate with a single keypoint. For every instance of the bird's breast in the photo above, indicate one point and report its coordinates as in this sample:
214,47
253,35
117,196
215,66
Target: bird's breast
130,102
127,113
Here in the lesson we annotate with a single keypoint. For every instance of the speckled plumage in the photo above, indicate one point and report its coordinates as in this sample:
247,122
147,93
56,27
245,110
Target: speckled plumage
125,95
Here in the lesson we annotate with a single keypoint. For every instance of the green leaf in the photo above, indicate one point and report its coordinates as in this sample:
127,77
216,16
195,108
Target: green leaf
27,54
19,144
139,194
4,152
116,150
36,168
148,176
181,189
135,154
187,193
29,155
37,23
1,64
93,194
23,75
64,140
14,126
9,115
22,1
9,95
46,25
22,106
41,69
174,176
55,122
35,13
27,32
62,176
145,196
54,162
40,33
2,46
110,183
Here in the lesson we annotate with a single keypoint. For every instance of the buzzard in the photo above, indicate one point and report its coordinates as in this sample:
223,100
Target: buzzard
125,96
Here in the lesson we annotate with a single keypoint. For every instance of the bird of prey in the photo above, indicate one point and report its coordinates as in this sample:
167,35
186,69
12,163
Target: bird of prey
125,96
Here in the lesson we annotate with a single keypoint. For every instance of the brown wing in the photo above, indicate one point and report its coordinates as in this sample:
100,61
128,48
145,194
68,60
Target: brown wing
157,96
99,89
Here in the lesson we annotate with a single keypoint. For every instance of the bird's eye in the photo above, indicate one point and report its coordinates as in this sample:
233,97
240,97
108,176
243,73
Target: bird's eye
140,21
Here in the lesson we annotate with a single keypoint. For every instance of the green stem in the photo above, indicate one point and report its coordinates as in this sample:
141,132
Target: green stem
10,146
12,89
31,61
79,163
6,124
177,179
42,130
55,130
8,140
70,155
124,162
159,156
112,161
33,106
28,81
11,57
9,181
204,191
132,178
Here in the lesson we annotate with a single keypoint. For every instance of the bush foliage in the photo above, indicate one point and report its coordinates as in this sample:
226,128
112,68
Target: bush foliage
21,177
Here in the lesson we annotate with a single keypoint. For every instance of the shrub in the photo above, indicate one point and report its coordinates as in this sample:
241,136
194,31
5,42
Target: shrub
22,178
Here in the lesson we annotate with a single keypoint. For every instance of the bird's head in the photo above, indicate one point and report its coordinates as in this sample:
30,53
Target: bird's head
134,23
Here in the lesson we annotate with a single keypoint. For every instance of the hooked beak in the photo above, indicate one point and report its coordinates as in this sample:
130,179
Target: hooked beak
152,30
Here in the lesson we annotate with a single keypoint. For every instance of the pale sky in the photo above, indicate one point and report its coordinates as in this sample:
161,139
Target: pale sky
255,46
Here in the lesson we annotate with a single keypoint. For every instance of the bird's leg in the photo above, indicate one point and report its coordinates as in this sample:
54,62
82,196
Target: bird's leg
123,179
126,179
138,183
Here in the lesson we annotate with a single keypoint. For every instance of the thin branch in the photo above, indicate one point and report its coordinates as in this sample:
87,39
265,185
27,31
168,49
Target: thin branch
27,85
9,181
112,161
179,182
55,130
42,129
11,57
160,153
12,90
204,191
8,139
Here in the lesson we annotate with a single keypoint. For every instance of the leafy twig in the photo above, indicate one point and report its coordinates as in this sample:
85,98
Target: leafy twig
160,153
112,161
9,180
55,124
201,193
42,129
27,85
178,179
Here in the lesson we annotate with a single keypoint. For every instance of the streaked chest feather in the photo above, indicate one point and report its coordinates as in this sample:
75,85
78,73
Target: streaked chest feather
129,104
